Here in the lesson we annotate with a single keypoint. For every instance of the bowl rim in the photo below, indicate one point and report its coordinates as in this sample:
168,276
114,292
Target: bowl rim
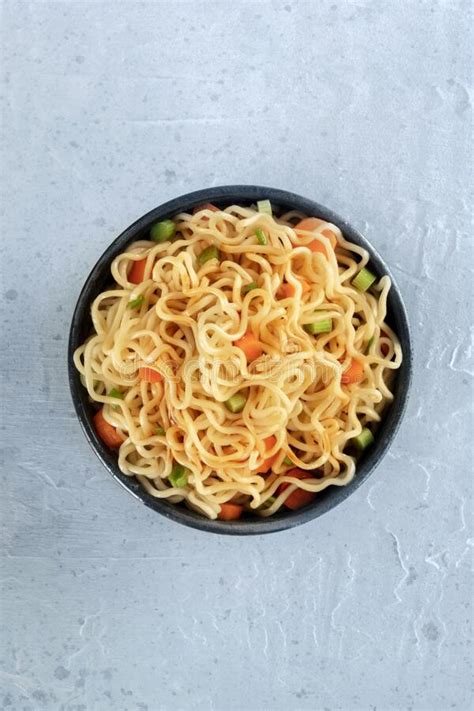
331,496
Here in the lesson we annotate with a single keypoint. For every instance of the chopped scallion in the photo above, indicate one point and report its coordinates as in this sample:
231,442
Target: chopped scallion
364,439
249,287
209,253
236,403
268,502
324,326
363,280
159,431
260,235
115,393
136,303
178,476
162,231
265,206
287,462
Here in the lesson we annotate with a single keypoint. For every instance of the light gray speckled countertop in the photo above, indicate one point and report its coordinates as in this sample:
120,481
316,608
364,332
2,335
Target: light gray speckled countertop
111,108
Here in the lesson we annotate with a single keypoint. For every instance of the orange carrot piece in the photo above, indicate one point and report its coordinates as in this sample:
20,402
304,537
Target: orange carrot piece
106,432
287,290
250,345
230,512
150,375
299,497
267,463
137,271
354,373
313,223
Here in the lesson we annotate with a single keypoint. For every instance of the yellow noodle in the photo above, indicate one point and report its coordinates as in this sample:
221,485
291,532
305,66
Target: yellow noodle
186,327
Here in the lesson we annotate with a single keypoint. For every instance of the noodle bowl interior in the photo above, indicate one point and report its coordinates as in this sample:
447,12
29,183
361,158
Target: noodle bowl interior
240,361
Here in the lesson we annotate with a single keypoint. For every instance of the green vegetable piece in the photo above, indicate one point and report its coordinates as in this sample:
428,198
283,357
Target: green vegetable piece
265,206
178,476
159,431
364,439
209,253
268,502
136,303
324,326
249,287
162,231
287,461
363,280
236,403
116,393
260,235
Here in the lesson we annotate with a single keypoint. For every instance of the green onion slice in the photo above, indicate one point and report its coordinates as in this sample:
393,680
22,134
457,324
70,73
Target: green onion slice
116,393
162,231
324,326
249,287
209,253
178,476
364,439
236,403
136,303
159,431
287,461
265,206
363,280
260,235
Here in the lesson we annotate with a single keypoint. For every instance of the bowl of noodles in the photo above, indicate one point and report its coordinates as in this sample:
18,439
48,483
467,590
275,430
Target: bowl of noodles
240,359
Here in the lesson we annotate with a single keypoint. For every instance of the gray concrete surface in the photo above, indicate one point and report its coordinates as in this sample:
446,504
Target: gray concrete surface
111,108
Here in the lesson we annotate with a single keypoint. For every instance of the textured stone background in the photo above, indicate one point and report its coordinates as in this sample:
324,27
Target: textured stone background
111,108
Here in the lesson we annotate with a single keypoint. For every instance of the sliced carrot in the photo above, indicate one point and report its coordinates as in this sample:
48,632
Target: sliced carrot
313,223
250,345
150,375
267,463
287,290
299,497
230,512
354,373
206,206
137,271
106,432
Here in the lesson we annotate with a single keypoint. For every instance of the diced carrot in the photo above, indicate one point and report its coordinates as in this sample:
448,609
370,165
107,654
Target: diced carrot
206,206
106,432
354,373
150,375
250,345
137,271
299,497
287,290
313,223
267,463
230,512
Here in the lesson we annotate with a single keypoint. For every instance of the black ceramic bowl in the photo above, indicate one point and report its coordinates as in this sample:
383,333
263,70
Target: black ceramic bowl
81,328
